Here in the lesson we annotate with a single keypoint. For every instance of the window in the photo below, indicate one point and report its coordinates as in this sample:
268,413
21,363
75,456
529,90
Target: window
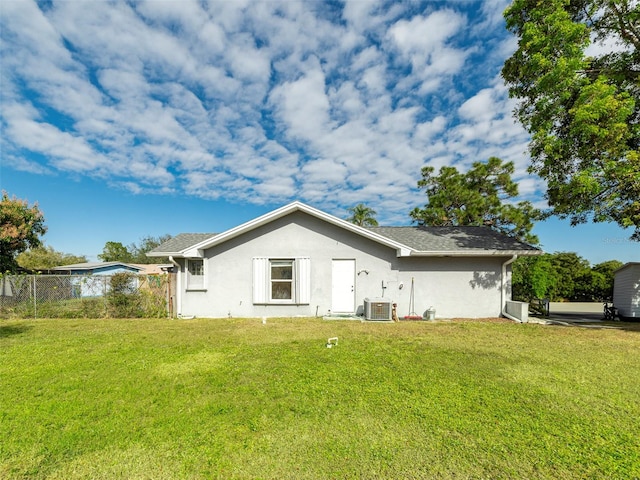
195,274
196,267
281,280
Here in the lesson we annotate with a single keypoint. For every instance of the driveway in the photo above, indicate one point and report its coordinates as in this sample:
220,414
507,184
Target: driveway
576,311
582,314
572,313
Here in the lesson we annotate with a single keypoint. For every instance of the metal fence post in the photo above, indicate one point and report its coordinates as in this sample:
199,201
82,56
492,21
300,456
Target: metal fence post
35,299
104,295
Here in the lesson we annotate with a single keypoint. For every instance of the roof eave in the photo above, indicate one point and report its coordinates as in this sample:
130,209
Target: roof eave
476,253
626,265
163,254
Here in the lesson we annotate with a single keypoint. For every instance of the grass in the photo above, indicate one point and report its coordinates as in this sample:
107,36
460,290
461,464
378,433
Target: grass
234,398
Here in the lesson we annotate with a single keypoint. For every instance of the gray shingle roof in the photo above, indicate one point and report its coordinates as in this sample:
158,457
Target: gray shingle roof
451,239
420,239
180,242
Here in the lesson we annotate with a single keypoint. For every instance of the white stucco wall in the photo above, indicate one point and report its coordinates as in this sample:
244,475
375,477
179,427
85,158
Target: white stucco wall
626,290
455,287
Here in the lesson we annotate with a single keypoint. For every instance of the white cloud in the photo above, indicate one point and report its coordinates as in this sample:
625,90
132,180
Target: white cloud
302,105
361,15
38,37
425,131
248,62
22,164
425,42
492,15
602,47
479,107
424,36
256,101
374,80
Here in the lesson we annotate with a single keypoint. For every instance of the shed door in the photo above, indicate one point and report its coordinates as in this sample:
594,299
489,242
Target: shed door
343,294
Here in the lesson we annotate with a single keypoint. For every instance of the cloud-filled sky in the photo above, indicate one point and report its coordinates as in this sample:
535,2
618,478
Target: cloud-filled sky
216,112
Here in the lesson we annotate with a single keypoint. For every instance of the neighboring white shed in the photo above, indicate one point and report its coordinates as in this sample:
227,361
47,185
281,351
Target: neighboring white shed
626,290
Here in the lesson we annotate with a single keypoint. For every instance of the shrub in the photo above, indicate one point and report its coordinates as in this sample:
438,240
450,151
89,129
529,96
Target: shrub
123,297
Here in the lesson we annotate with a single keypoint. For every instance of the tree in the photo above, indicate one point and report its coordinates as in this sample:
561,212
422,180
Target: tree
562,276
589,287
582,112
607,269
20,228
478,197
362,216
115,252
134,253
534,277
124,298
42,258
146,244
571,269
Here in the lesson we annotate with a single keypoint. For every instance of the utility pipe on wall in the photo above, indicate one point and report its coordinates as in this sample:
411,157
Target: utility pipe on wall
178,286
503,293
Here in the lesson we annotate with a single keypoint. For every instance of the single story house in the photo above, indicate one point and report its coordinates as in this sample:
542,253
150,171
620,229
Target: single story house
95,268
300,261
97,284
626,290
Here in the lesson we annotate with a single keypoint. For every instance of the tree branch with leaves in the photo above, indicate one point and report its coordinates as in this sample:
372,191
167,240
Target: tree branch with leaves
362,216
21,226
43,258
582,112
481,197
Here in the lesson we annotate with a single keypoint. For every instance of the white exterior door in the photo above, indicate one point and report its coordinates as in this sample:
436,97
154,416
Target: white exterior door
343,292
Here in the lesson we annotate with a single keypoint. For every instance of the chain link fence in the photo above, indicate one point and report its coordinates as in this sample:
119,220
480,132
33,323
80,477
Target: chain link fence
122,295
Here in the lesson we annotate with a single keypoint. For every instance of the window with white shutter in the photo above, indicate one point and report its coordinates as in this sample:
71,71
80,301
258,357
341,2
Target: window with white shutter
260,279
281,280
303,280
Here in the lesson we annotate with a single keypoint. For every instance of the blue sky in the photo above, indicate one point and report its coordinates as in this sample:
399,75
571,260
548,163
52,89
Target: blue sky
143,118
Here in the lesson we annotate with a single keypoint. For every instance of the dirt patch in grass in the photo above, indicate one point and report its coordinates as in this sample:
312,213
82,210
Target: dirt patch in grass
482,320
459,320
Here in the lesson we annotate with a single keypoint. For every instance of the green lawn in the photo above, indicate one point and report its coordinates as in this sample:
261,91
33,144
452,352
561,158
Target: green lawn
233,398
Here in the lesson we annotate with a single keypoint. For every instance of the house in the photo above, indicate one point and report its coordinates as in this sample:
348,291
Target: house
110,268
96,268
97,285
626,290
300,261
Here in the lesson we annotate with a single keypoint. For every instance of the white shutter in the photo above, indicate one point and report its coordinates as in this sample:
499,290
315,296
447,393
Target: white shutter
260,280
303,280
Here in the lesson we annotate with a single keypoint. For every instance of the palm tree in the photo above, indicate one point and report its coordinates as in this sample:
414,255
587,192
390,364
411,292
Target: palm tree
362,216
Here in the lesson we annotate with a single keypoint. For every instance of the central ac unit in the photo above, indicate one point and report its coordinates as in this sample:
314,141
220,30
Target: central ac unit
377,309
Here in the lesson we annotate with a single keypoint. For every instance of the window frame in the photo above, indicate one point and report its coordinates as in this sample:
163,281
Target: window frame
190,277
300,281
283,262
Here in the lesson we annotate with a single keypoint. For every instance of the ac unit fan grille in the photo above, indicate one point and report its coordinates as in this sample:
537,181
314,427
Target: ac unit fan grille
377,309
